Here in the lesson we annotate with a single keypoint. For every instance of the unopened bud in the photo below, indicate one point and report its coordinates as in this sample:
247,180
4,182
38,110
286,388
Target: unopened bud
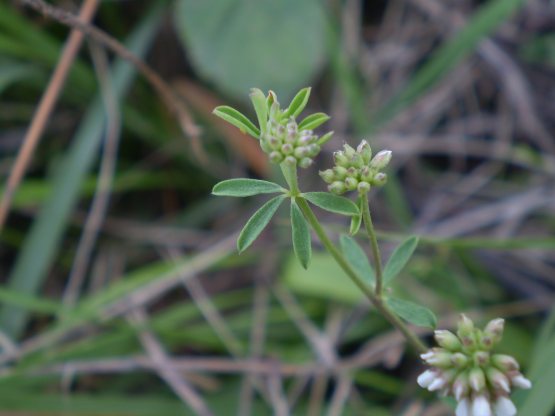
366,174
351,183
340,172
498,380
327,175
521,382
287,149
290,160
381,160
379,179
301,152
276,157
460,386
305,162
340,159
494,329
313,149
447,340
437,358
505,362
459,360
476,379
356,161
365,151
348,151
481,358
465,326
363,187
337,188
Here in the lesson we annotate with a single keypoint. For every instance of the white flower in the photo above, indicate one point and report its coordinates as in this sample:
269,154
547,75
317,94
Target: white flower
521,381
437,384
481,407
463,408
426,378
504,407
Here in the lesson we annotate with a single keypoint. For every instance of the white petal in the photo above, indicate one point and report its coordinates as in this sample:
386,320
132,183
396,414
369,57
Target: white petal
459,390
426,356
437,384
481,407
504,407
521,381
426,378
463,408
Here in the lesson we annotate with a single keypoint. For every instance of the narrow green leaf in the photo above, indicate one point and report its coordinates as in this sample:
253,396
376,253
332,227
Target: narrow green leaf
312,121
298,103
301,235
245,187
260,107
413,313
332,203
258,222
399,259
325,138
357,258
240,121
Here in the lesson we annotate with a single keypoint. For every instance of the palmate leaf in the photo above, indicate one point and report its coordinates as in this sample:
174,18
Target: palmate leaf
301,236
258,222
245,187
357,258
232,116
399,258
332,203
413,313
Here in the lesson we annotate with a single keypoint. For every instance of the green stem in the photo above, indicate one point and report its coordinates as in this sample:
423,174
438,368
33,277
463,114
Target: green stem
369,226
377,301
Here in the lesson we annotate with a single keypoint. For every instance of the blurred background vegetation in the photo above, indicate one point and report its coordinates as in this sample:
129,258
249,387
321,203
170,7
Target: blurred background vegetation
121,292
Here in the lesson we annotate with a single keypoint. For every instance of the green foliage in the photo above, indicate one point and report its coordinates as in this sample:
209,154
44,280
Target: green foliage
399,259
260,105
298,103
234,117
332,203
256,224
358,259
313,121
301,235
245,187
237,44
413,313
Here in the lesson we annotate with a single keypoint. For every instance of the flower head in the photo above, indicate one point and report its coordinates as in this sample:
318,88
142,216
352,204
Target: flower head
465,367
356,169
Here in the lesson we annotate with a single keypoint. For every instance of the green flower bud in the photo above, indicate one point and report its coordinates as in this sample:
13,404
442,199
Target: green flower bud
381,160
348,151
276,157
351,183
365,151
290,160
481,358
366,174
274,142
340,172
447,340
504,362
287,149
465,330
498,380
459,360
337,188
305,162
340,159
265,145
460,386
476,379
327,175
494,329
313,150
301,152
379,179
363,187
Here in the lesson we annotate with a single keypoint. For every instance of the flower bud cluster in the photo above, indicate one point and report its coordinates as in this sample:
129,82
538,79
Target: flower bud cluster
284,142
356,169
464,366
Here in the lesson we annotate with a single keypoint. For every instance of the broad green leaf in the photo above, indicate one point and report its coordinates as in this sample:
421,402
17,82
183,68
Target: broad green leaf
238,44
301,235
258,222
413,313
232,116
312,121
260,107
357,258
399,259
332,203
245,187
298,103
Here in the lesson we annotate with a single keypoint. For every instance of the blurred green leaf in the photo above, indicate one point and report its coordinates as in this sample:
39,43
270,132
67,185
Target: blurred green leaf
258,222
413,313
39,249
260,105
333,203
301,235
239,44
357,258
298,103
13,71
232,116
245,187
356,220
313,121
399,259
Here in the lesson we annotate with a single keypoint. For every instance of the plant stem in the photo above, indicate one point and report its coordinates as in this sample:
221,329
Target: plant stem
290,174
369,227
